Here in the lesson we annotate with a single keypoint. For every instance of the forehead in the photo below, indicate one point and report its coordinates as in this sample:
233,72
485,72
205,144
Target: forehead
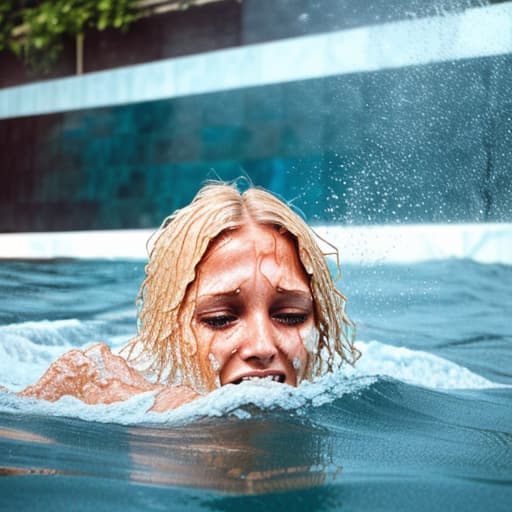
240,253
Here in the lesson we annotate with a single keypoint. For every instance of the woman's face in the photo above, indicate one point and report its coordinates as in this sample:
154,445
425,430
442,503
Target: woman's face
253,307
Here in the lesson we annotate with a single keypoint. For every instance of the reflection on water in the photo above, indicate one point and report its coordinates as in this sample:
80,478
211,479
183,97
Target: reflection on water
250,456
230,455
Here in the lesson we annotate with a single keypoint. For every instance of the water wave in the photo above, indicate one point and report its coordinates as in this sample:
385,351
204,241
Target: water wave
232,400
26,350
416,367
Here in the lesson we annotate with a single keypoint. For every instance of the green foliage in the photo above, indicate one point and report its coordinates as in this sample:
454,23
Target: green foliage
7,22
48,22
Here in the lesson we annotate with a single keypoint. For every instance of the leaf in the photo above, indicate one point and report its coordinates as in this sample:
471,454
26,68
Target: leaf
39,42
102,23
46,22
104,5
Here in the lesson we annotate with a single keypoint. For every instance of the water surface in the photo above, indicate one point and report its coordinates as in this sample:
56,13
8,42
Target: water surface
424,422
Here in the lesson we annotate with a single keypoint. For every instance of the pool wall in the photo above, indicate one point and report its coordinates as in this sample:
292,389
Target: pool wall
482,242
405,122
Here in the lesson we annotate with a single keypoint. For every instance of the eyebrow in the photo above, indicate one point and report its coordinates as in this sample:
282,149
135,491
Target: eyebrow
213,299
229,293
296,293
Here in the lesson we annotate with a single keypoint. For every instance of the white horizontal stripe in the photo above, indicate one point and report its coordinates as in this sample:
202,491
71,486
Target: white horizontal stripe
477,32
487,243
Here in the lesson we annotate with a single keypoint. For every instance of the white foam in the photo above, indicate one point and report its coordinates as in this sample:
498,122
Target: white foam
131,411
28,348
229,400
416,367
22,362
53,333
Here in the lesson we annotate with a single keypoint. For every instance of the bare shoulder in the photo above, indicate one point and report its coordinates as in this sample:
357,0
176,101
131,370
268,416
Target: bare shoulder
171,397
94,375
97,376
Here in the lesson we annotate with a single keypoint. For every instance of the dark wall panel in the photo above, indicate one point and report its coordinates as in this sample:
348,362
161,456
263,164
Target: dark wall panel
420,144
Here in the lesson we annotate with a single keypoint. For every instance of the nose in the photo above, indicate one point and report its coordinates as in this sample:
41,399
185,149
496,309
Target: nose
259,343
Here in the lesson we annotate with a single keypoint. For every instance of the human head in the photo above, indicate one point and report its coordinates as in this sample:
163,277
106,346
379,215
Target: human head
176,250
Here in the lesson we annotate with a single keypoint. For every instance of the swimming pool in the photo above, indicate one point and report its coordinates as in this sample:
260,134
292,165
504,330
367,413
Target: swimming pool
422,423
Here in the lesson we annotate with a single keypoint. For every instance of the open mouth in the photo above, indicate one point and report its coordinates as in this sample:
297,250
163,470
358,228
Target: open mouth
266,378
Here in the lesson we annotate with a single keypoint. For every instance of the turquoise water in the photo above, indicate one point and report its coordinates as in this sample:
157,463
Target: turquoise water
424,422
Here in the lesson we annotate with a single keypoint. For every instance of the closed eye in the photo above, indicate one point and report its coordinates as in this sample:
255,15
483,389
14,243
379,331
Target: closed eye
218,321
291,318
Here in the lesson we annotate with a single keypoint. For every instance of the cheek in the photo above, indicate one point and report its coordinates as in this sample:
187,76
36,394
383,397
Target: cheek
294,346
310,338
221,353
215,348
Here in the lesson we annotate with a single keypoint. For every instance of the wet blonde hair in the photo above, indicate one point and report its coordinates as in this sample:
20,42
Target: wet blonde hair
166,343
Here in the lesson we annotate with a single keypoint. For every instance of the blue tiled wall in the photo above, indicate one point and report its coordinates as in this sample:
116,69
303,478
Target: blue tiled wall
420,144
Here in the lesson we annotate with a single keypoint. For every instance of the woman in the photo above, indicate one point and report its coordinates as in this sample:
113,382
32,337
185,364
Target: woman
236,289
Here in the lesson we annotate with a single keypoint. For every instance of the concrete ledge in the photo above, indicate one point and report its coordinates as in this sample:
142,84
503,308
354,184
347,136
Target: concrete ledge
486,243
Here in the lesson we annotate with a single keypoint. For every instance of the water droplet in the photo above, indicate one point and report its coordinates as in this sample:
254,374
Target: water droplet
213,361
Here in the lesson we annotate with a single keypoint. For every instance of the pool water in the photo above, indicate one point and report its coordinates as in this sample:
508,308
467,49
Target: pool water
424,421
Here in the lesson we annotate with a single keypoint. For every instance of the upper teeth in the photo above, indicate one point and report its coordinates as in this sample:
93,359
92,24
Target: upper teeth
274,378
